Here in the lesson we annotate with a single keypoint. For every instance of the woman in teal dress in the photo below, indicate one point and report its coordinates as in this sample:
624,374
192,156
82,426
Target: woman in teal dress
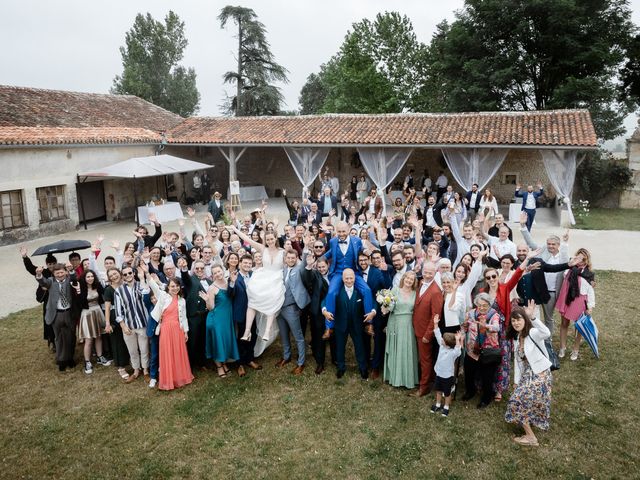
401,351
221,343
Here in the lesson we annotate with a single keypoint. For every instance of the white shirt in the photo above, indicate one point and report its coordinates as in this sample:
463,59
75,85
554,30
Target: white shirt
453,316
442,181
474,198
349,291
427,183
503,246
551,277
372,205
397,276
344,246
365,274
425,287
531,201
430,220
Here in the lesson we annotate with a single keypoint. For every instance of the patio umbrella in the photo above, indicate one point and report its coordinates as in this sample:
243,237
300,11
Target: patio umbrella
589,331
62,246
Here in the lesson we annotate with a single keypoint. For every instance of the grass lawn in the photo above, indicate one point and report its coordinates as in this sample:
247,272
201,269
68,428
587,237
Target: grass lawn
273,425
609,219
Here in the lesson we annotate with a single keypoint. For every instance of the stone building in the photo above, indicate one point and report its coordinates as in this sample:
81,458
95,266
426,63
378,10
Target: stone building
47,137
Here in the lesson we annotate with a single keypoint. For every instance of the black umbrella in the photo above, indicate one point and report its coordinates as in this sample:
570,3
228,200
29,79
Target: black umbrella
62,246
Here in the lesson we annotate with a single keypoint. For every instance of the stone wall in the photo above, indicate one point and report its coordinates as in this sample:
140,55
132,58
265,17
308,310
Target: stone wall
29,168
269,166
631,198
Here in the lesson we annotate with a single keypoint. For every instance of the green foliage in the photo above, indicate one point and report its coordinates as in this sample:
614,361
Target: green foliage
599,174
150,59
256,68
526,55
377,70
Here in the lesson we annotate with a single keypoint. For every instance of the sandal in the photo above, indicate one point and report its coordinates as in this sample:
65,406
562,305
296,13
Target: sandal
526,441
123,373
132,377
223,374
227,372
498,397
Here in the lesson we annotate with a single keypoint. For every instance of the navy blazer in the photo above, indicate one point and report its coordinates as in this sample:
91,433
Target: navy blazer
376,281
351,257
475,207
317,288
334,204
238,294
348,309
526,194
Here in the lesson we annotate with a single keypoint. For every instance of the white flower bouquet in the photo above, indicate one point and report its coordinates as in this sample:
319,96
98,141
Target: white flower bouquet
387,300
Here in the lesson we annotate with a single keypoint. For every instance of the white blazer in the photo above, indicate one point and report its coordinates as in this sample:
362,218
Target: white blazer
535,356
163,302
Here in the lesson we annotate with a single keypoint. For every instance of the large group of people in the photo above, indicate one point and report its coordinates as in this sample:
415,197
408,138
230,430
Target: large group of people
462,300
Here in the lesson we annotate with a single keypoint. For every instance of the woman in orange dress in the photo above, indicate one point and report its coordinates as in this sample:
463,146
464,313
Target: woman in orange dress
171,314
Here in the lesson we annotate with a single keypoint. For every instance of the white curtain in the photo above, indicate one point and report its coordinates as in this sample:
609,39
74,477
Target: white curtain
383,165
561,170
307,163
474,165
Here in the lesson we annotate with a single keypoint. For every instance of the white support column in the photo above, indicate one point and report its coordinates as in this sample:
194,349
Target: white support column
232,156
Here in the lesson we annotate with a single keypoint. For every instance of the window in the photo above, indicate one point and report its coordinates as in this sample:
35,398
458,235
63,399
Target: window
12,209
51,203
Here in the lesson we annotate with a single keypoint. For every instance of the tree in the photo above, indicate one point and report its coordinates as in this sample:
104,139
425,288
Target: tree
150,59
526,55
256,68
378,69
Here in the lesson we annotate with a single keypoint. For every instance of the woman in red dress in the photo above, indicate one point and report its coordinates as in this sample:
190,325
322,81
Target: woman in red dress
171,314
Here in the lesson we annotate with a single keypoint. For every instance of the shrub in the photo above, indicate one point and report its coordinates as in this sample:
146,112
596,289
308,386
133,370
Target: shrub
600,174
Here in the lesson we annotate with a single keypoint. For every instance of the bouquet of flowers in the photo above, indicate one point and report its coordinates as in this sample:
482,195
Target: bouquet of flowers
387,300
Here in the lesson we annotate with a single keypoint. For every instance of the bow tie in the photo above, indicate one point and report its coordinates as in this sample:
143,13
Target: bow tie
342,242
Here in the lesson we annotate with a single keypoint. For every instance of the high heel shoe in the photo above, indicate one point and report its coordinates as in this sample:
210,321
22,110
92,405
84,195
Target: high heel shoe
246,337
223,374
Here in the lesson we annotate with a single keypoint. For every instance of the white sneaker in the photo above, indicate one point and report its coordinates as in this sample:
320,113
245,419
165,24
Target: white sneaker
152,383
88,368
574,355
561,352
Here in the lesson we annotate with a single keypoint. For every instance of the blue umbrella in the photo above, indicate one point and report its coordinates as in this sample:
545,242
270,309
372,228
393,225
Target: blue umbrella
589,331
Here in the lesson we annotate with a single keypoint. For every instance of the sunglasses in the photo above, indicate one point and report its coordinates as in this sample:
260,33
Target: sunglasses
127,274
491,277
213,229
318,246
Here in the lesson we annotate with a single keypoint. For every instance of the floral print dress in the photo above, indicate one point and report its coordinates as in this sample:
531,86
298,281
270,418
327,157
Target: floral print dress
531,399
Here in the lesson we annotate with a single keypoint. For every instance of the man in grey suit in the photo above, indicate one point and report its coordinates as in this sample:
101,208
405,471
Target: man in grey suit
296,298
60,313
554,252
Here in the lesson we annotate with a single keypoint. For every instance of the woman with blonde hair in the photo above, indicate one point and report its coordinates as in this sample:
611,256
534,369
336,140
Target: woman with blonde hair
401,351
575,298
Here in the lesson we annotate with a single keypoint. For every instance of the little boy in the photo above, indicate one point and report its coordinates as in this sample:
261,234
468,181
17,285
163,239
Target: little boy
450,349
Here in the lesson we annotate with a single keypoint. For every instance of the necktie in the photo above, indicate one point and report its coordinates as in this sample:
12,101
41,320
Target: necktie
365,275
64,303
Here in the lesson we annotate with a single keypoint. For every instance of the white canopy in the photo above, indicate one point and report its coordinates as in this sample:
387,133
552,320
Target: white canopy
142,167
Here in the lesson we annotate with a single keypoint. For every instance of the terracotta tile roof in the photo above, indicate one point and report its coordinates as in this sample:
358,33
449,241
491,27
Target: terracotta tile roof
73,136
34,107
562,128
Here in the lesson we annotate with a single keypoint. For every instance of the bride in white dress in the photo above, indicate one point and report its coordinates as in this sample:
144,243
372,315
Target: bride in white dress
265,291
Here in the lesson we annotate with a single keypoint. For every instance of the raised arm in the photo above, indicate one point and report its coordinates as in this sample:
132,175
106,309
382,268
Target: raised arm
525,233
259,247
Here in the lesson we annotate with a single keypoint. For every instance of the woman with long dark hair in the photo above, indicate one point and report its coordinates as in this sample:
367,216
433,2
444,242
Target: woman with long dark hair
530,402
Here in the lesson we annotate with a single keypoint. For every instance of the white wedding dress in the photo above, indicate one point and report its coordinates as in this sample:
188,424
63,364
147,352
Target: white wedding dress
265,294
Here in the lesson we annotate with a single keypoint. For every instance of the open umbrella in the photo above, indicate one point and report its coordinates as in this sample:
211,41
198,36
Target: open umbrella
589,331
63,246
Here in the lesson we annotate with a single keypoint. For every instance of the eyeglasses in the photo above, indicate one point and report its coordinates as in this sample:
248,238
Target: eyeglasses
127,274
199,268
213,229
318,246
491,277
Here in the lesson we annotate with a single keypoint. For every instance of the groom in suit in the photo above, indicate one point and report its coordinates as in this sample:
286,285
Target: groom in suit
348,314
296,298
196,312
238,293
429,302
343,252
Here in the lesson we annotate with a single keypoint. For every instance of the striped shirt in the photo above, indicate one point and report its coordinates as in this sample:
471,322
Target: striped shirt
130,307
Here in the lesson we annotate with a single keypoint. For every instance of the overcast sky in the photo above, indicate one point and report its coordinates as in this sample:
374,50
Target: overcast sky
73,44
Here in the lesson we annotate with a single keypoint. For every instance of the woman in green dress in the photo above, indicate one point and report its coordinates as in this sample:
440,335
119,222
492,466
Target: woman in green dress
401,351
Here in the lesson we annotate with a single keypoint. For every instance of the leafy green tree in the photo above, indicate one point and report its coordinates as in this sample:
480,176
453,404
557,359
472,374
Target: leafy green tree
378,69
533,54
150,59
599,174
256,68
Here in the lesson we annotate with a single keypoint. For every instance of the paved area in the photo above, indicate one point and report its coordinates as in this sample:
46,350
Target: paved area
611,250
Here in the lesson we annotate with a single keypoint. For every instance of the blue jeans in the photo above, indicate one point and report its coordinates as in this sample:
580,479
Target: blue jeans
531,214
154,347
289,321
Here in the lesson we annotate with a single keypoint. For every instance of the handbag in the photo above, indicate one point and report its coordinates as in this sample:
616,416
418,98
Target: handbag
551,355
490,356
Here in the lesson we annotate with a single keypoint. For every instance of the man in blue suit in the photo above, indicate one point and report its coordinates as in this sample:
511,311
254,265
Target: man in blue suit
376,281
529,201
238,293
349,310
343,252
